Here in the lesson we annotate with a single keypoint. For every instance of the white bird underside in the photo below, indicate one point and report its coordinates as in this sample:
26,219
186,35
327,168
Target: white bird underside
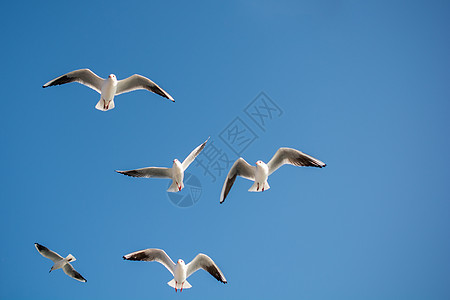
176,173
201,261
105,88
61,262
282,156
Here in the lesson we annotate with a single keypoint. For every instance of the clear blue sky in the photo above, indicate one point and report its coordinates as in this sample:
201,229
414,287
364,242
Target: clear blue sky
362,86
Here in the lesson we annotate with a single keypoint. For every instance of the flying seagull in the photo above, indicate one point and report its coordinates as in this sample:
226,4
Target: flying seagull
110,87
261,172
180,271
60,262
176,173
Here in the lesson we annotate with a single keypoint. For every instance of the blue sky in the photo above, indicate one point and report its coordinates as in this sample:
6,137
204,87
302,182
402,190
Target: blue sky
361,86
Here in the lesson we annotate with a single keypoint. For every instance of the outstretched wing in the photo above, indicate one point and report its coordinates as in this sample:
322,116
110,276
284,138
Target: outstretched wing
47,253
69,270
152,255
203,261
239,168
83,76
148,172
138,82
293,157
193,155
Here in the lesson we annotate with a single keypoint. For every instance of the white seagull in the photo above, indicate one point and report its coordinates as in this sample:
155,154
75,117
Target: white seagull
180,271
176,173
110,87
261,172
60,262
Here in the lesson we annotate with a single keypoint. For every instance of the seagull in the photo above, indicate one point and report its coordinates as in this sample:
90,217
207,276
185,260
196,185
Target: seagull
180,271
60,262
262,171
110,87
176,173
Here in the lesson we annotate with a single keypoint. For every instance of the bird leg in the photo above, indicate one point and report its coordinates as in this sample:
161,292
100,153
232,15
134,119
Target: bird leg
263,189
257,188
181,287
176,286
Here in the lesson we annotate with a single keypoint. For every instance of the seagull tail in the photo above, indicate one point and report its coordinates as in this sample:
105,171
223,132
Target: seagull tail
104,105
70,258
174,187
260,188
186,284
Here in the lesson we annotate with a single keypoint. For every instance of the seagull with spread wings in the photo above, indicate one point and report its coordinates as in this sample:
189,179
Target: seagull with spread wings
176,173
110,87
180,271
261,172
60,262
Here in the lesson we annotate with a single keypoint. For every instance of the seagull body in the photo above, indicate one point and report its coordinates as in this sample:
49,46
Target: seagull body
110,87
180,271
60,262
261,172
176,173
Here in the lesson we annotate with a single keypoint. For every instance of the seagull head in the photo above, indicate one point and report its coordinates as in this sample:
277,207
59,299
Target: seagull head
112,76
259,162
175,161
180,261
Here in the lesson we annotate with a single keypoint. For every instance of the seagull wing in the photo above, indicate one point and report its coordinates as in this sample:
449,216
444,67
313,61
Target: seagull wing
69,270
293,157
47,253
148,172
203,261
138,82
83,76
193,155
152,255
239,168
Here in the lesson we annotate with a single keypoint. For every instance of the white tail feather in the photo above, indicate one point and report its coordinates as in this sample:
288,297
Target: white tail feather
174,187
186,284
256,188
104,105
70,258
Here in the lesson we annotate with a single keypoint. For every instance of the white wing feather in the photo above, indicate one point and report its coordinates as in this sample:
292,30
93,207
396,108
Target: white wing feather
190,158
83,76
152,255
239,168
138,82
203,261
293,157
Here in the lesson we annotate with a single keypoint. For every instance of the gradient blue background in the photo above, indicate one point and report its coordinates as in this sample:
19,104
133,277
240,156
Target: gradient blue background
363,86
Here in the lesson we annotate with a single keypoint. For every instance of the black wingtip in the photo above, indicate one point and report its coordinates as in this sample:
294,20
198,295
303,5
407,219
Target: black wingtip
124,257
